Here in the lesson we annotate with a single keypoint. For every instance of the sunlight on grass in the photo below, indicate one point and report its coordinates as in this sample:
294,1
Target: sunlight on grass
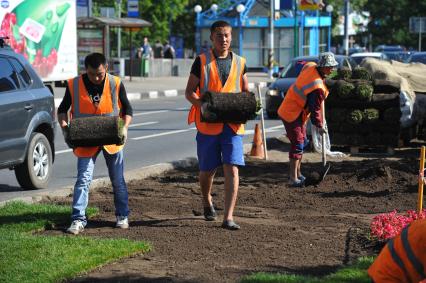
35,258
356,273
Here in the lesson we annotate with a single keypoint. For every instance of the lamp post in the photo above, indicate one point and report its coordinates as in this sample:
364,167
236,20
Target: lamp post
197,10
271,40
329,10
240,9
346,36
214,8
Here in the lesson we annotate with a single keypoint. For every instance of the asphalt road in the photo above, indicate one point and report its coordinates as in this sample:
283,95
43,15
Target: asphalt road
159,133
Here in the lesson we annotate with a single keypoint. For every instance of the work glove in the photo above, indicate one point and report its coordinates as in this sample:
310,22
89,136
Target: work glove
124,134
258,107
66,134
205,113
322,131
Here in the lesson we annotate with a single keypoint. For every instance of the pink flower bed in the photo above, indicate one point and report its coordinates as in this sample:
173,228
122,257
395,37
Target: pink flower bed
387,225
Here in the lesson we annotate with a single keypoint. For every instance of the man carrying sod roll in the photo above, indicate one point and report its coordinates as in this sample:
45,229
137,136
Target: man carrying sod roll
96,93
218,70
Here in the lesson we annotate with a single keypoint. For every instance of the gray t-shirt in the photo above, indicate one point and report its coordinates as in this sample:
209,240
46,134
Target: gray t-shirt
223,67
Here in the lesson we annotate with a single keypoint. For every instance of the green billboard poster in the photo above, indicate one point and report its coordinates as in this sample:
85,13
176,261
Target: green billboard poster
44,32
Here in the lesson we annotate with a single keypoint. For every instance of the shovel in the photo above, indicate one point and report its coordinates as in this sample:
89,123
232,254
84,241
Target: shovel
326,167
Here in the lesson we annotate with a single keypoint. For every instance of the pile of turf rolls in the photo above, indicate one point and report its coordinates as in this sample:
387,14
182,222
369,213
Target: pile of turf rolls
96,131
229,107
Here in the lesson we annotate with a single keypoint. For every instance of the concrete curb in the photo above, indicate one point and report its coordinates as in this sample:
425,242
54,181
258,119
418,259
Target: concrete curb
153,94
136,174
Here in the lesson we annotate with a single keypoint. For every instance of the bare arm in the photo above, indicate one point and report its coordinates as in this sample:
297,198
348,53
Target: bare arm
191,88
245,83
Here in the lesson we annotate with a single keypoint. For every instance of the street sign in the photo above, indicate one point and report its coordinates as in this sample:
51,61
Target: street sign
133,8
417,24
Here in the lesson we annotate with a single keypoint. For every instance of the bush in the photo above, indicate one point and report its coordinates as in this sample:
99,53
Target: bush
388,225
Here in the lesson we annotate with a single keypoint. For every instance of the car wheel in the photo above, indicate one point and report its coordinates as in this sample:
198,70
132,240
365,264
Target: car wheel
272,115
36,170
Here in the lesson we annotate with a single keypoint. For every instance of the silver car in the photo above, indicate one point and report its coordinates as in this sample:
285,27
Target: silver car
27,121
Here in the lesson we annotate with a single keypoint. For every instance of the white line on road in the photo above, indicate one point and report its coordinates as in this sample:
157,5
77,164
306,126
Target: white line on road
151,112
143,124
164,134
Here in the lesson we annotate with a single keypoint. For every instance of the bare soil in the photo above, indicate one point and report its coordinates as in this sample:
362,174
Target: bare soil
313,230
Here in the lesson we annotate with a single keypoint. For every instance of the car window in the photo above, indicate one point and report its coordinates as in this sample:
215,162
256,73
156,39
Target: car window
8,77
22,73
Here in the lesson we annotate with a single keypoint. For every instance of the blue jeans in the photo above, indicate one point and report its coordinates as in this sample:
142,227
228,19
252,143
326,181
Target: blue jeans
85,166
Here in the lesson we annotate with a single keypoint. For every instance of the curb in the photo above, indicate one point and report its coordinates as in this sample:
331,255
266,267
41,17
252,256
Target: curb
135,174
153,94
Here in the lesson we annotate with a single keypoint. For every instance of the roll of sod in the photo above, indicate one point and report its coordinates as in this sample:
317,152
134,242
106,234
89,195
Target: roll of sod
229,107
96,131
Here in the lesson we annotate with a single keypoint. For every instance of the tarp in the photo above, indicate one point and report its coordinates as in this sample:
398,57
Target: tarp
412,84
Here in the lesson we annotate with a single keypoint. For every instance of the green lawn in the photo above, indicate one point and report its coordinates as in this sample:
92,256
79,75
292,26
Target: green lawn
356,273
25,257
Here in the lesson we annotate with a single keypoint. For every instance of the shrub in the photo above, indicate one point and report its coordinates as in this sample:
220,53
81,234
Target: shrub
388,225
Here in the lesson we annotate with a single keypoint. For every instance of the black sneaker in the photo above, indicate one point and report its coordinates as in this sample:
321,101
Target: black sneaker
209,213
230,225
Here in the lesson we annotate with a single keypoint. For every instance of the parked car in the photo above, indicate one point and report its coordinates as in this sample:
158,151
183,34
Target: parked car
27,121
277,90
418,57
358,57
389,48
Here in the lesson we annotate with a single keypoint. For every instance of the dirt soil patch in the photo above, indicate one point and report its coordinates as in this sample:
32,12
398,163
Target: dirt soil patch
312,230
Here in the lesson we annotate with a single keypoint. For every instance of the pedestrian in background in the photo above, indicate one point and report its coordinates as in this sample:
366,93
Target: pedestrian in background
158,50
169,51
217,143
96,93
146,49
305,98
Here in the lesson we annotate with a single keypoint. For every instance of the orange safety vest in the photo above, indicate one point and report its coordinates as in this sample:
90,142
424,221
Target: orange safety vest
295,99
210,81
82,106
403,259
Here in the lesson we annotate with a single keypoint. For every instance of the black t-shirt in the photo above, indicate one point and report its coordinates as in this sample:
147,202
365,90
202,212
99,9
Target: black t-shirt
223,67
95,93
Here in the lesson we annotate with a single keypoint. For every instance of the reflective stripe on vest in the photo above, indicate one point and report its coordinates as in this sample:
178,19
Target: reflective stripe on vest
76,89
415,262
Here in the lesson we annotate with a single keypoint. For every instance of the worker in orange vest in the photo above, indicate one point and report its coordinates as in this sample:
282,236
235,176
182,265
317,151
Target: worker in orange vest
303,99
218,70
96,93
403,259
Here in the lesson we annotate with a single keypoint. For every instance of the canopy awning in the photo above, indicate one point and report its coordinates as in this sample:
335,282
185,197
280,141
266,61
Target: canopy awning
114,22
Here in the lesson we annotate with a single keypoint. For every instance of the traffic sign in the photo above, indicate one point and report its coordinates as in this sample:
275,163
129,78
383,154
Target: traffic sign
417,24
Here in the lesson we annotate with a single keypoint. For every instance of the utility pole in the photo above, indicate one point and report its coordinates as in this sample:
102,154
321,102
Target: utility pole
89,8
271,40
346,39
119,31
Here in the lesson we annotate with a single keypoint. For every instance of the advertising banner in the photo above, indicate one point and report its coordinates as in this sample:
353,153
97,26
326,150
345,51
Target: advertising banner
44,32
310,5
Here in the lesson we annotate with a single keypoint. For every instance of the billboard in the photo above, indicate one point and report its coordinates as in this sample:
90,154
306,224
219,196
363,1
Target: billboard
44,32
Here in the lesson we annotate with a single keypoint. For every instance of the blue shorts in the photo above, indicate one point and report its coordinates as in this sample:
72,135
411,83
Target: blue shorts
224,148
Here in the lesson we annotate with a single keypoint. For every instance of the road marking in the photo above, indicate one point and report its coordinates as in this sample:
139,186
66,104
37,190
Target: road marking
151,112
164,134
170,93
143,124
63,151
268,130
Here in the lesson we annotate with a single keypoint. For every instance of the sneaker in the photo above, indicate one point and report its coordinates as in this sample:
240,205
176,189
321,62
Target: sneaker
122,222
302,178
76,227
209,213
230,225
296,184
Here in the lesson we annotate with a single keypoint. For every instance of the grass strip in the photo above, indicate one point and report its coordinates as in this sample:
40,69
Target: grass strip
25,257
355,273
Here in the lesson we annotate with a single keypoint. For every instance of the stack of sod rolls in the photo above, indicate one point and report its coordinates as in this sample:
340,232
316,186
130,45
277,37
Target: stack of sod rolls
96,131
229,107
361,111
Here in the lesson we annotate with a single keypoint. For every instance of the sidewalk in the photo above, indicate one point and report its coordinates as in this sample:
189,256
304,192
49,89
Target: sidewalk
146,88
